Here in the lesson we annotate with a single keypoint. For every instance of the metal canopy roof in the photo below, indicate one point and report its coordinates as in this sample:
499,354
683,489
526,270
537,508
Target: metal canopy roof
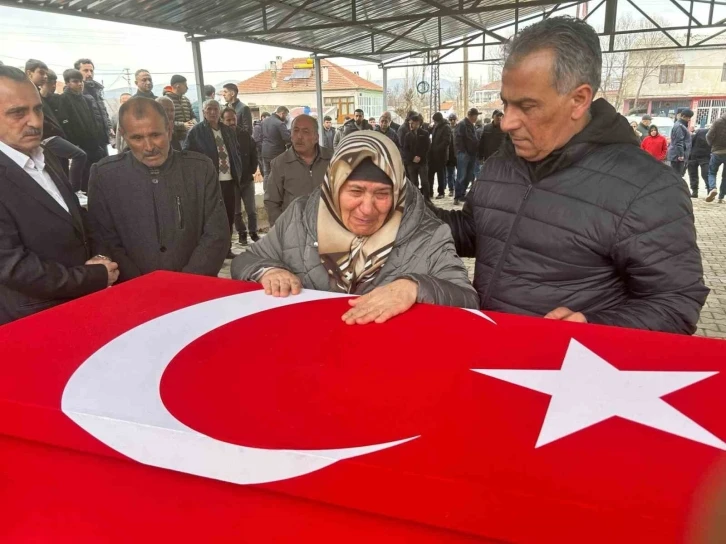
378,31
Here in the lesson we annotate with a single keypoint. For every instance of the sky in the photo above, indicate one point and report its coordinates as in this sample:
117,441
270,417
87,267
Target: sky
59,40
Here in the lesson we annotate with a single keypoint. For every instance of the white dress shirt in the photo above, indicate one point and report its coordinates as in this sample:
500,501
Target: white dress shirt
34,166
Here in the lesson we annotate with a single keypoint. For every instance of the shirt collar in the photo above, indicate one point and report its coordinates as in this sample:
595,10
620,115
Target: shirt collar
35,158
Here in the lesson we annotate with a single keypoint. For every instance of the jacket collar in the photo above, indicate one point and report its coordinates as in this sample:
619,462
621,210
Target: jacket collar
321,153
15,173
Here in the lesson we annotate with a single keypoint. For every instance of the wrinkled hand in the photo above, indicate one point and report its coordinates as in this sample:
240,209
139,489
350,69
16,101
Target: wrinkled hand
382,303
417,159
565,314
190,123
111,268
681,159
278,282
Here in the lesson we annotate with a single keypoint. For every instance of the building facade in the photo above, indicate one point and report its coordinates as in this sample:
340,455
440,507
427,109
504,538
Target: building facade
695,79
292,84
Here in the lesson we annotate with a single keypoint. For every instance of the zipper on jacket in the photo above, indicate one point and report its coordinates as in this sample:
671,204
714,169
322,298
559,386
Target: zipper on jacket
155,181
507,244
180,212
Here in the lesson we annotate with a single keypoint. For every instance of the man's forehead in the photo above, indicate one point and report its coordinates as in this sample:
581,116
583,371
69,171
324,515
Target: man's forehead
16,94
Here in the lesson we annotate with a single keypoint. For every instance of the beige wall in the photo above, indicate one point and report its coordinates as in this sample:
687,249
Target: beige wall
701,76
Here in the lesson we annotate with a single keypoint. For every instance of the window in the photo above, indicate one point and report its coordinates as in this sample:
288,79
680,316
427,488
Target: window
371,104
723,72
671,73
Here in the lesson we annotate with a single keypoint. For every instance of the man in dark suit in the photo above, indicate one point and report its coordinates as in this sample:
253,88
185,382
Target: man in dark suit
44,248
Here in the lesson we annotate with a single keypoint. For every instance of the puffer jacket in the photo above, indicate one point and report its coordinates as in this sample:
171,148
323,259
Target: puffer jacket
95,90
183,113
423,252
597,227
700,149
680,145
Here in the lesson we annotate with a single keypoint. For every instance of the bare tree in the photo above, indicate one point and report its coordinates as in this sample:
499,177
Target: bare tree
405,96
643,65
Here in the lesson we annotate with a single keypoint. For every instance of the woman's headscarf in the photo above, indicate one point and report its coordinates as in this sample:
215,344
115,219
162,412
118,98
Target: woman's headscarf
353,261
651,128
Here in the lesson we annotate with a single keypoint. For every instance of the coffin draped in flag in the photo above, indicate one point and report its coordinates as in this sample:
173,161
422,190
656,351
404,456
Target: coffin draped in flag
182,408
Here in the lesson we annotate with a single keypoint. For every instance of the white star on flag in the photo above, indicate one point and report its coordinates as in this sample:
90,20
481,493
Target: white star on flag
588,390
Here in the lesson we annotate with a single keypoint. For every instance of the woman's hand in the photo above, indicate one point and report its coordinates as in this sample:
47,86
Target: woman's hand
278,282
382,303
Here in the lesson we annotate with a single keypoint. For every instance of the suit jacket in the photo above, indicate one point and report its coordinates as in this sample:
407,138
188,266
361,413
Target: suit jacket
43,248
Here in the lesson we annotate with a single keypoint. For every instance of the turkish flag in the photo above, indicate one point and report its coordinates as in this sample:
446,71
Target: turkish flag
183,408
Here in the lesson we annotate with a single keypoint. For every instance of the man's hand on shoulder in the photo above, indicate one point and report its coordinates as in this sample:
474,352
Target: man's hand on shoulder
565,314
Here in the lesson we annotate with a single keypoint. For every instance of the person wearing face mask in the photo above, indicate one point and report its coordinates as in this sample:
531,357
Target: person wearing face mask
570,220
153,208
365,231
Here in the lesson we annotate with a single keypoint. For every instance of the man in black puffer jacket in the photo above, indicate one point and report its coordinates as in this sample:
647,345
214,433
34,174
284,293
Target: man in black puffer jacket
571,220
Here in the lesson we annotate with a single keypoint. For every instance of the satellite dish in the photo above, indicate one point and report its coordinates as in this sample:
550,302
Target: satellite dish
423,87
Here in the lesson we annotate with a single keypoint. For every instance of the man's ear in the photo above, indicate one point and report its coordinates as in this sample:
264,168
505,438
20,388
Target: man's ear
581,100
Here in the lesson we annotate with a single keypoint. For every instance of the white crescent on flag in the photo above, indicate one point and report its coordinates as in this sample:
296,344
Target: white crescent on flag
114,395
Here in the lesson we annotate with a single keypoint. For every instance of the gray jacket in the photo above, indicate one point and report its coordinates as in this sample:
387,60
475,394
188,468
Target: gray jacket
423,252
170,218
290,178
329,138
275,136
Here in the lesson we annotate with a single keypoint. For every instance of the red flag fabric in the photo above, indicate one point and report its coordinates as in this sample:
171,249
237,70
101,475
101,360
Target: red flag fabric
176,407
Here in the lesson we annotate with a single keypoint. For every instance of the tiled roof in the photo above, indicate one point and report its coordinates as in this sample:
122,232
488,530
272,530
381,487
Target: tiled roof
338,79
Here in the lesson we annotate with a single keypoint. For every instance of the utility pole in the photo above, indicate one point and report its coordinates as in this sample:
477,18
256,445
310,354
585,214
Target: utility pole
127,76
466,80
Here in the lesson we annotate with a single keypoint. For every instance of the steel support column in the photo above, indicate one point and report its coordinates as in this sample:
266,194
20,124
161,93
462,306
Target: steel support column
385,88
611,21
319,96
198,71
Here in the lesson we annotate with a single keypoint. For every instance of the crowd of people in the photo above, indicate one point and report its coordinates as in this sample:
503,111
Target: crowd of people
689,148
566,217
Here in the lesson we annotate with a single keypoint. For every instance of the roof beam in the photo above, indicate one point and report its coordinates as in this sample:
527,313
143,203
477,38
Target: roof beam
653,22
394,40
465,20
292,14
358,38
689,15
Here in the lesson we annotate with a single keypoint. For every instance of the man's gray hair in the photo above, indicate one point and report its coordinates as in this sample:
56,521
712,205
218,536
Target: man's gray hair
162,99
575,45
139,108
210,102
305,116
282,109
386,114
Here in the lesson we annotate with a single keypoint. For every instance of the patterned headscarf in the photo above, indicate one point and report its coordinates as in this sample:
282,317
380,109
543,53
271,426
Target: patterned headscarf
353,261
